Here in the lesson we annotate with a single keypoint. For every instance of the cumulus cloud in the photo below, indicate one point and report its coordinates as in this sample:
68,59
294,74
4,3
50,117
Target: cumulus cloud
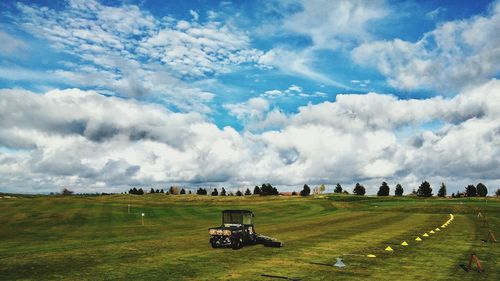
454,55
93,142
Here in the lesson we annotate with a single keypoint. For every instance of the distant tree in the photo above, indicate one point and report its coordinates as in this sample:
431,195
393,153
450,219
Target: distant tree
345,192
294,193
257,191
157,191
201,191
453,195
183,191
305,191
319,189
268,189
497,193
190,192
383,190
459,194
359,189
424,190
152,190
133,191
66,192
230,193
223,192
215,192
482,191
470,191
140,191
338,188
161,191
398,191
442,190
238,193
248,192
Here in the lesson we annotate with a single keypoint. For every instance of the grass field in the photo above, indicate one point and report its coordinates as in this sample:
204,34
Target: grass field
95,238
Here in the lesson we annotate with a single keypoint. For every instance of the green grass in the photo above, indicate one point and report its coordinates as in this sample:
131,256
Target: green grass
94,238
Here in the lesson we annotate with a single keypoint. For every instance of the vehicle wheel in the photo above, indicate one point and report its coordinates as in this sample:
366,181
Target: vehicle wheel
214,244
236,244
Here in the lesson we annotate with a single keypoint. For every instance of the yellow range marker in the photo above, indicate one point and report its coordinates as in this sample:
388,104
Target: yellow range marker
437,229
432,232
418,239
404,243
371,256
425,235
389,249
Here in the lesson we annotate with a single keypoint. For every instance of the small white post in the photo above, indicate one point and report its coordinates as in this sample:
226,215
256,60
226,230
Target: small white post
142,219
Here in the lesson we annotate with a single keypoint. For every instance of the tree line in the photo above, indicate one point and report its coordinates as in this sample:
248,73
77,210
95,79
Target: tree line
424,190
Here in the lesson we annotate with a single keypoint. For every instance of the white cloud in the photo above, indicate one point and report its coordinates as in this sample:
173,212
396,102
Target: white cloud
11,45
128,51
92,142
194,14
455,55
296,63
333,24
435,13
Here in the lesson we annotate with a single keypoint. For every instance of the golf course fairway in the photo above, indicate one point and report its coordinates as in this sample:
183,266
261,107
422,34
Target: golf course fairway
99,238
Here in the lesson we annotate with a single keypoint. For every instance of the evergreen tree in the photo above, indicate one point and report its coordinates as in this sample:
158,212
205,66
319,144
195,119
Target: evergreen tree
140,191
157,191
257,191
152,190
305,191
248,192
424,190
338,188
497,193
161,191
383,190
215,192
183,191
398,191
190,192
201,191
238,193
482,191
268,189
359,189
442,190
223,192
294,193
453,195
470,191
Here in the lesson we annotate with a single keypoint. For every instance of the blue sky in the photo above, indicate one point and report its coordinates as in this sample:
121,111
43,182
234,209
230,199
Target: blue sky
255,67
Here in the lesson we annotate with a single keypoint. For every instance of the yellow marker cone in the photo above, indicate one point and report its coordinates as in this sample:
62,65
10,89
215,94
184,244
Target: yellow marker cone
418,239
443,226
404,243
432,232
371,256
426,235
437,229
389,249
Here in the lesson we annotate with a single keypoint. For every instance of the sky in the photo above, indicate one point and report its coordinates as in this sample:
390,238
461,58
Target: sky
100,96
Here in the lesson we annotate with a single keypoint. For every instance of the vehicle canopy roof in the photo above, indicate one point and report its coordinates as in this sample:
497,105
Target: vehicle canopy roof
237,211
237,217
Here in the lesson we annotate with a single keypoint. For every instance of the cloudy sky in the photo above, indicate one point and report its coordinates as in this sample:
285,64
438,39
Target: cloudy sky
104,95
